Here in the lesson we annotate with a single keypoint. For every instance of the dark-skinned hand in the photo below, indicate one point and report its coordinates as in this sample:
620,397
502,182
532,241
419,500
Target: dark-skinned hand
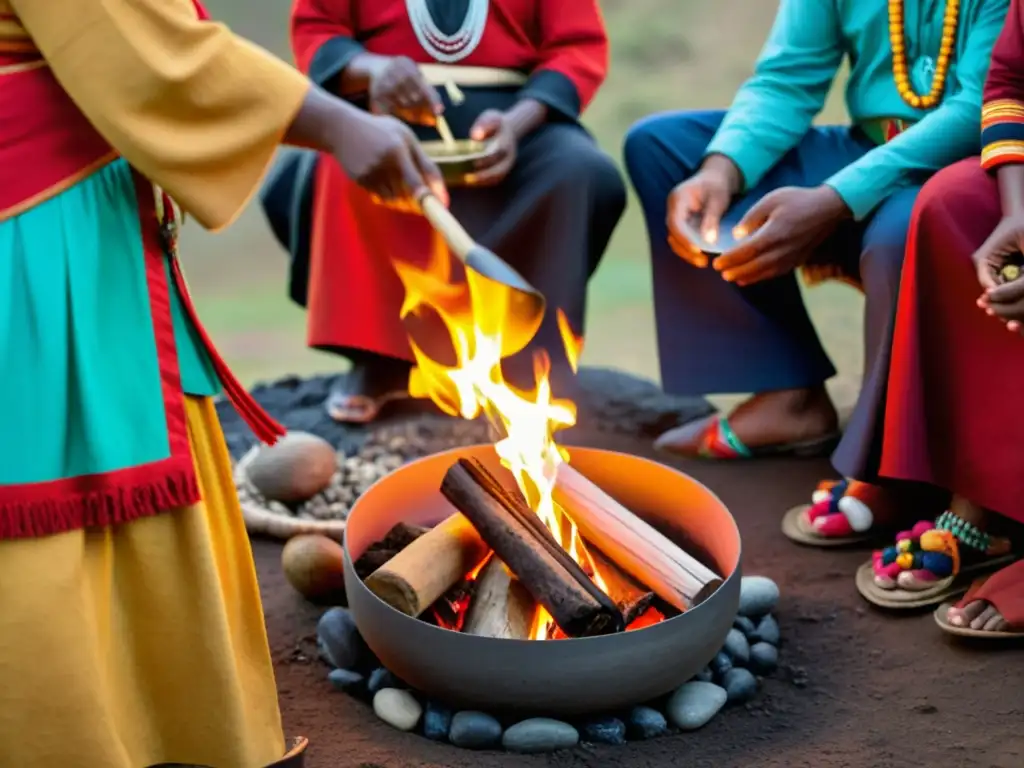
784,228
703,198
382,155
495,129
999,299
398,88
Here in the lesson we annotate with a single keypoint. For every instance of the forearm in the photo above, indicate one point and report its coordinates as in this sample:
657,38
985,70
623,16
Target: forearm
317,124
947,135
1011,189
724,166
526,116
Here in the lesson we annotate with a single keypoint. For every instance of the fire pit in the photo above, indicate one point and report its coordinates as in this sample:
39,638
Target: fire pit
567,676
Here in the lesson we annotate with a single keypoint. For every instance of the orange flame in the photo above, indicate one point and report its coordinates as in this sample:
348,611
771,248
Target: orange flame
466,380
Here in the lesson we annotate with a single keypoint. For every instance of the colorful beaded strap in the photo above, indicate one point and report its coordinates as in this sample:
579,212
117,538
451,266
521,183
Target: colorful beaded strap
965,532
720,442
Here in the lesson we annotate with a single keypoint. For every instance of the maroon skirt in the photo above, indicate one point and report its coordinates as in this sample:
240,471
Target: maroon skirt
955,408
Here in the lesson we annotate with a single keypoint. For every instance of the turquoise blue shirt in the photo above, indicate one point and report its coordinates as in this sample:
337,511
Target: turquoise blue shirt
793,75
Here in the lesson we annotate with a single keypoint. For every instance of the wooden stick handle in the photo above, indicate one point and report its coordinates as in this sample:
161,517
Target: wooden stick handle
418,575
448,226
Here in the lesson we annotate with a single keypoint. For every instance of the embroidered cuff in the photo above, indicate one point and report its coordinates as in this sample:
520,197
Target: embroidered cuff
331,58
554,90
1002,133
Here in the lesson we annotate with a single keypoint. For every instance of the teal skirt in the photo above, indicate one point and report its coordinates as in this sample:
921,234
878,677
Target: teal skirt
83,389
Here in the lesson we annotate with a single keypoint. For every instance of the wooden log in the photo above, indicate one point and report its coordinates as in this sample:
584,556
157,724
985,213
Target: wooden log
632,597
501,606
418,575
520,539
632,544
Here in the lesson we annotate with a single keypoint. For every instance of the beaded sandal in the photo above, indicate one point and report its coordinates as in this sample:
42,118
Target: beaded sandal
1002,591
841,513
931,563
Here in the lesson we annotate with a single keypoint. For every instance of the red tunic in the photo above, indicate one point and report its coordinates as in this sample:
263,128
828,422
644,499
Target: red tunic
354,294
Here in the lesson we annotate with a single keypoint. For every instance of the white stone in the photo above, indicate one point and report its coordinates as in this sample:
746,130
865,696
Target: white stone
397,708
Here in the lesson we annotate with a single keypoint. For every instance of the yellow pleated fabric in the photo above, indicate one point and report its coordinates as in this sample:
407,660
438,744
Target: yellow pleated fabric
143,643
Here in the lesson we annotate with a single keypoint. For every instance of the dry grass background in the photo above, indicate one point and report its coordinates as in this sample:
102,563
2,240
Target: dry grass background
665,55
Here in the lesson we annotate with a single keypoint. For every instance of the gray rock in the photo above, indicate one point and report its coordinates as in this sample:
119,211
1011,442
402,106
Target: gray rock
339,640
437,720
646,723
764,658
705,675
607,730
347,681
474,730
737,647
721,664
381,678
397,708
694,704
758,596
746,626
740,685
539,734
768,631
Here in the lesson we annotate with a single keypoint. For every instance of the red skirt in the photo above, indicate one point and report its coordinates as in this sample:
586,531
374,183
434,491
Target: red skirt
954,416
355,296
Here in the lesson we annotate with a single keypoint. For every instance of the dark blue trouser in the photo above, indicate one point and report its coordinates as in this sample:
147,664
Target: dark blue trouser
715,337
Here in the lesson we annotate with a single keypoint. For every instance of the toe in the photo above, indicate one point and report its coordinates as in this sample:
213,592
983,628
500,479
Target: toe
987,613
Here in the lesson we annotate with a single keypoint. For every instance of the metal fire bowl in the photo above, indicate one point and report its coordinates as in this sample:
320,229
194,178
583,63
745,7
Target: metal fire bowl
553,677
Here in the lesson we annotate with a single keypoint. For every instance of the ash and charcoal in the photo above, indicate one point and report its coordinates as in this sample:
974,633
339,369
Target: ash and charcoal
733,678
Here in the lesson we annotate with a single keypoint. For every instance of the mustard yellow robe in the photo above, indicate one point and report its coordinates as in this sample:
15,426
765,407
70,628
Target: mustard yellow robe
144,643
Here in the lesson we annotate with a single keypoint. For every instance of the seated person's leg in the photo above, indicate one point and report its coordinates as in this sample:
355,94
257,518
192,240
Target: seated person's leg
717,338
849,510
949,364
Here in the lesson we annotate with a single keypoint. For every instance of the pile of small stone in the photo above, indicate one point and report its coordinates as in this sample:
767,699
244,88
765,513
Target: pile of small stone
384,450
750,653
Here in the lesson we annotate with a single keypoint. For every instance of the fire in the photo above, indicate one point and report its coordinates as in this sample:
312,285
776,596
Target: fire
475,313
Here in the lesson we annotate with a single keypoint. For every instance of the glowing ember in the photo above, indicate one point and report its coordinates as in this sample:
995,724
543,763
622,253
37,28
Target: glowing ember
476,315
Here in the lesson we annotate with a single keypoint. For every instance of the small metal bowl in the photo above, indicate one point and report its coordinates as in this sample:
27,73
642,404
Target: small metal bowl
457,162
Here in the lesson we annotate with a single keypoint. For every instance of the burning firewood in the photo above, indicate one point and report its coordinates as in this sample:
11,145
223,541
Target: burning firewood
431,565
501,606
521,540
631,597
633,545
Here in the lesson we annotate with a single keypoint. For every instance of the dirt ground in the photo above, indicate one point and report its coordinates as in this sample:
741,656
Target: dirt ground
881,690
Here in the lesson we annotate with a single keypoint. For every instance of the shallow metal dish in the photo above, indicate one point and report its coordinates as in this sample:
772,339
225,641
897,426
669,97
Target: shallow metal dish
458,161
552,677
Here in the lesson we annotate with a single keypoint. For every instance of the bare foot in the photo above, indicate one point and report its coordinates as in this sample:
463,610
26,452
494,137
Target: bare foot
372,382
978,614
766,419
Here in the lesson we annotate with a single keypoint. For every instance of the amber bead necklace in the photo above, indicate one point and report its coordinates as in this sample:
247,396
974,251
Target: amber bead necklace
899,55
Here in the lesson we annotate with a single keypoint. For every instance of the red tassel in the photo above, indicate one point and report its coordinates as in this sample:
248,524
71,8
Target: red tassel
266,429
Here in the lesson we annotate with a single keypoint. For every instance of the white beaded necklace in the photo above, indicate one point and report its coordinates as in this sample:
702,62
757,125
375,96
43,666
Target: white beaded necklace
448,49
